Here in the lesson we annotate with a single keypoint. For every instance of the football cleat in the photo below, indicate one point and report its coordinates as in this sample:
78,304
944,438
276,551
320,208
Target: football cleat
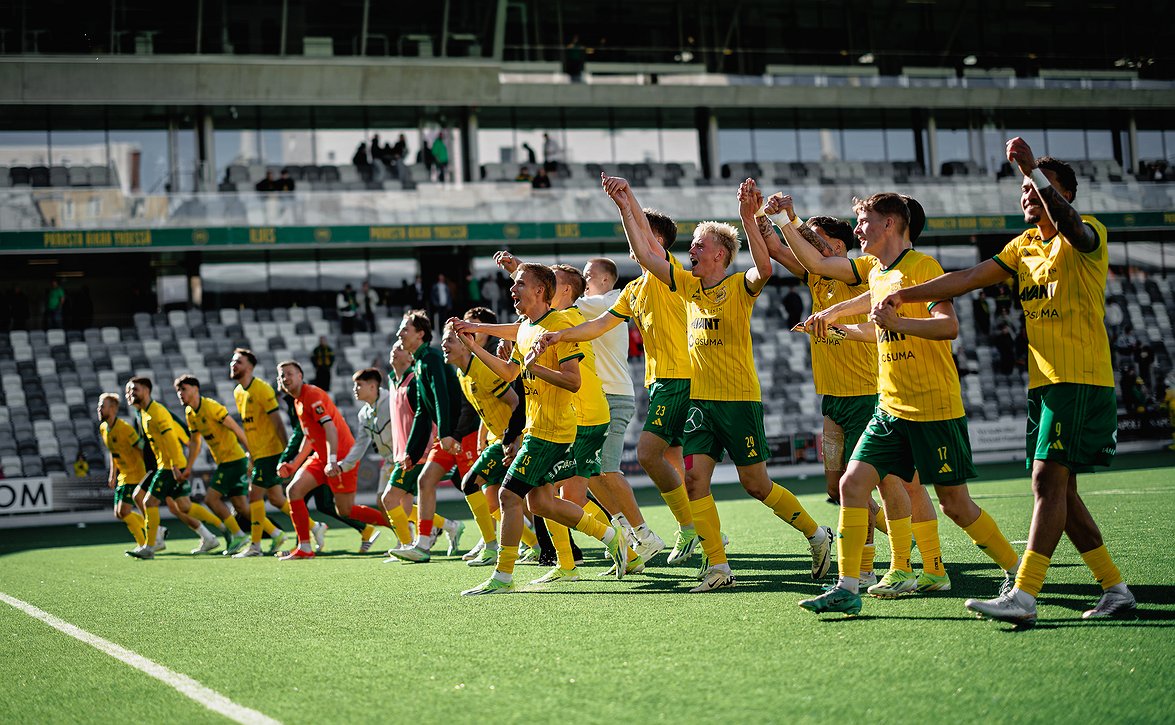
618,550
236,543
530,557
821,553
634,566
834,600
648,545
275,542
490,586
714,579
160,540
1006,608
485,557
1113,604
249,551
413,554
558,575
319,534
453,531
684,544
895,583
142,552
207,545
472,553
295,554
366,544
928,582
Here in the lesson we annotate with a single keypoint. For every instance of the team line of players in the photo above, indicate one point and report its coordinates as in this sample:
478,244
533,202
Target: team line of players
544,415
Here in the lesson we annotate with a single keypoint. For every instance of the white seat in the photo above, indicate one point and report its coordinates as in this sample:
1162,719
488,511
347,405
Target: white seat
229,316
177,318
79,350
46,367
74,396
111,335
297,314
21,336
55,336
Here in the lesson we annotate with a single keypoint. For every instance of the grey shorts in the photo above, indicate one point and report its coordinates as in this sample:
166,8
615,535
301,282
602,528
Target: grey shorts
622,408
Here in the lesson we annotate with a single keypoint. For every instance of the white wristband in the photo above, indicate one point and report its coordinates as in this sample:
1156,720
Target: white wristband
332,458
1039,180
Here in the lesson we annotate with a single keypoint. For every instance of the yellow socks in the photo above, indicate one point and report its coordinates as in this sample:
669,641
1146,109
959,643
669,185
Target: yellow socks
850,540
987,536
867,555
879,521
152,524
230,523
926,534
529,538
1030,577
899,543
507,555
598,513
1099,562
787,507
204,516
678,502
134,523
479,506
399,519
437,520
561,540
709,528
368,531
256,514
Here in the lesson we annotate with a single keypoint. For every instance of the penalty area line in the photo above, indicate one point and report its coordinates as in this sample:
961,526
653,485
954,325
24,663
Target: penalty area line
185,685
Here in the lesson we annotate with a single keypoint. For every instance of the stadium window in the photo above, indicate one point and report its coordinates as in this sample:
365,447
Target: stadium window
863,144
24,148
953,145
775,144
1065,143
899,144
581,145
734,145
1100,142
1150,145
680,146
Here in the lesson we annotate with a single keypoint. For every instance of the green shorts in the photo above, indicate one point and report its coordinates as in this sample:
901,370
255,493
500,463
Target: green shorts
265,472
1075,425
539,462
940,450
405,480
668,408
163,485
851,413
589,442
231,479
124,494
735,426
488,465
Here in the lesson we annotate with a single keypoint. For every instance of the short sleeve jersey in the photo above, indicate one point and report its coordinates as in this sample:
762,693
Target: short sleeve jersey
917,378
550,413
722,362
1063,293
315,408
484,390
659,314
166,436
254,404
841,368
206,419
123,443
591,406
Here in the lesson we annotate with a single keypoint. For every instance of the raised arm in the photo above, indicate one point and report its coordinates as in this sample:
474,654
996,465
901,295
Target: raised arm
1064,217
642,246
750,199
566,377
838,268
950,285
504,369
503,330
941,325
583,332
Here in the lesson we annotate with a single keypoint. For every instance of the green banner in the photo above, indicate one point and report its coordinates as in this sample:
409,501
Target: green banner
83,240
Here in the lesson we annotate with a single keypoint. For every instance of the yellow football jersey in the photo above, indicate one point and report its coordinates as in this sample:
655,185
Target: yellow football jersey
166,436
484,390
591,407
1063,293
550,414
917,378
722,362
842,368
123,443
659,314
206,419
254,404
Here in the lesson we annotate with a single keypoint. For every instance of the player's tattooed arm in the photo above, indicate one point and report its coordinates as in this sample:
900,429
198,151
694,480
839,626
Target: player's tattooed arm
1064,217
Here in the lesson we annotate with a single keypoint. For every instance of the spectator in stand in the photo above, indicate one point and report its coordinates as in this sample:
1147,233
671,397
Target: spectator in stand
440,300
1005,346
400,150
267,184
1133,391
1126,347
81,467
286,182
1003,298
1114,319
540,180
440,154
1144,355
376,150
531,160
362,161
348,308
54,306
369,300
981,309
424,156
323,359
523,173
793,305
552,154
1021,349
416,301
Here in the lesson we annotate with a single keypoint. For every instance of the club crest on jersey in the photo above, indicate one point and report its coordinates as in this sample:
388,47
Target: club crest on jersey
720,295
320,409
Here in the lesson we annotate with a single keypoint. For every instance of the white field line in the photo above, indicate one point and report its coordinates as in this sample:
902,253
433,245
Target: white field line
209,698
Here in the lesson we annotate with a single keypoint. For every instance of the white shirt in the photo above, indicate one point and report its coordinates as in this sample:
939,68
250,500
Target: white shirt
611,348
376,423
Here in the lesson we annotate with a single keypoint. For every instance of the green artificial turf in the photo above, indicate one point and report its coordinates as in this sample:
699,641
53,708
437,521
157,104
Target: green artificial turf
346,638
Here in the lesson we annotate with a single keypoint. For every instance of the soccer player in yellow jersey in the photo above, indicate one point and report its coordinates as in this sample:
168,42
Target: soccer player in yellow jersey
126,469
845,374
659,314
209,422
919,424
265,431
1061,266
167,437
494,400
726,409
551,379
